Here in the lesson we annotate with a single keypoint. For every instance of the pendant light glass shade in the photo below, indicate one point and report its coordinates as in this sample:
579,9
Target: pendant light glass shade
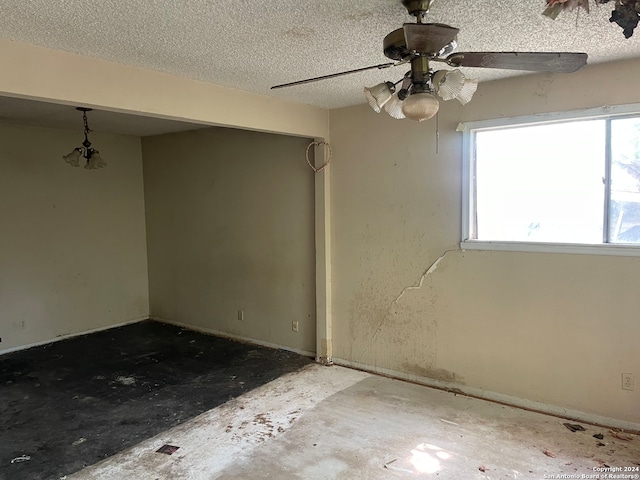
95,161
394,107
378,95
420,106
73,157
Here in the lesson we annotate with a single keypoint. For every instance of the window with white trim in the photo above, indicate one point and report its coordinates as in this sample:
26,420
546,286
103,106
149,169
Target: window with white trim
561,179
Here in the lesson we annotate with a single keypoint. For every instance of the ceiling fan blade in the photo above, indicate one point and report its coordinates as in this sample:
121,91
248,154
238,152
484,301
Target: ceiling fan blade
428,38
563,62
333,75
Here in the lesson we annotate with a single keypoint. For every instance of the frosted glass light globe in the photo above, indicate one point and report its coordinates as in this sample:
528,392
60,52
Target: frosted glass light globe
420,106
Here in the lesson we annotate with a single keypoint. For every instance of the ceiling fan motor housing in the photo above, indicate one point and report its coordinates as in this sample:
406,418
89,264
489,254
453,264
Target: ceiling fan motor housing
395,47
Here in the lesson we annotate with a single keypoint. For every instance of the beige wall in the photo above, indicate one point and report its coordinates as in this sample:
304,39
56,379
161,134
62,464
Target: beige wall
72,248
555,329
230,219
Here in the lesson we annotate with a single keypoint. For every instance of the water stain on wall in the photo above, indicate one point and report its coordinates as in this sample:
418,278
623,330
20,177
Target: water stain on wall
434,373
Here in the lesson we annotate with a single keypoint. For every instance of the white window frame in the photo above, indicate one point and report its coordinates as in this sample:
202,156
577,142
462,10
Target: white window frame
469,150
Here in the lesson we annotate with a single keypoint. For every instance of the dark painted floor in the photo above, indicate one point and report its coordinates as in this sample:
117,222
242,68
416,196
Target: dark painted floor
72,403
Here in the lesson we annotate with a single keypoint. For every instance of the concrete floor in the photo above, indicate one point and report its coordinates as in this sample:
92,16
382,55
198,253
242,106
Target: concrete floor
336,423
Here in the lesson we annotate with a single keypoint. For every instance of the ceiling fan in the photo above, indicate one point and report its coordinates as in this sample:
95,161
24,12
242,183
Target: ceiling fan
419,44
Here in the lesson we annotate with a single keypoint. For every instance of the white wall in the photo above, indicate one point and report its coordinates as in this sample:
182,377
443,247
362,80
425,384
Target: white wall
73,246
550,328
230,223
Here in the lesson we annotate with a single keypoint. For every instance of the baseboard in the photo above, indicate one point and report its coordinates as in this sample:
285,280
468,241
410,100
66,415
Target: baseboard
218,333
71,335
503,399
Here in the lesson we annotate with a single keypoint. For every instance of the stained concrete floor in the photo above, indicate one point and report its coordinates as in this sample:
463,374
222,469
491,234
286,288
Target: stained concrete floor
73,403
336,423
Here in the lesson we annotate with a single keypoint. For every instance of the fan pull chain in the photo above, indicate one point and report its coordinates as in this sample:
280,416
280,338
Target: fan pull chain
319,144
437,132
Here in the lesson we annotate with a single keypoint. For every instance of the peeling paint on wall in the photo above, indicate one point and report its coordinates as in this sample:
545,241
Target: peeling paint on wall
427,272
404,314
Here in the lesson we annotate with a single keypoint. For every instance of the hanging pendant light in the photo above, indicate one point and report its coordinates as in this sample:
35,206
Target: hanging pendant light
86,151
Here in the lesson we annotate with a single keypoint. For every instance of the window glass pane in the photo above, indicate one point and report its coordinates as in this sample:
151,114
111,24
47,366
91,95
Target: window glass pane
624,224
541,183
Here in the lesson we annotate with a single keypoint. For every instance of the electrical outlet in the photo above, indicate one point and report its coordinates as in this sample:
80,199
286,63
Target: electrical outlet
628,381
294,325
22,324
240,315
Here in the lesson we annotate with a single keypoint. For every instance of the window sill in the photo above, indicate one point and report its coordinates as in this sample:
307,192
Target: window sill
567,248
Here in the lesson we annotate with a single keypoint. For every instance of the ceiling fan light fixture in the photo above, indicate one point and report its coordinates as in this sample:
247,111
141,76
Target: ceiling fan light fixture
450,84
394,108
379,94
420,106
468,89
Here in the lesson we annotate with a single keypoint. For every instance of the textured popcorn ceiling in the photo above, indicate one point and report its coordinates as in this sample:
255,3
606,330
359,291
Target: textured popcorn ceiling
252,44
